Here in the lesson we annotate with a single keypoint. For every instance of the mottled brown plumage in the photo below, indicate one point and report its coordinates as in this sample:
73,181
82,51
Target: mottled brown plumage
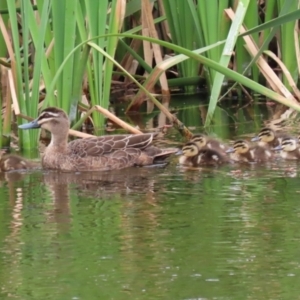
203,141
267,137
243,152
11,162
192,156
289,149
96,153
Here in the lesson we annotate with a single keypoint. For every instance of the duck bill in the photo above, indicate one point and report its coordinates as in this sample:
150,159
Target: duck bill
278,148
255,139
230,150
30,125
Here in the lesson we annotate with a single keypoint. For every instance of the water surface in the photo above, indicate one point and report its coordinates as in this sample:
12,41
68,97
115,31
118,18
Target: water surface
171,233
155,233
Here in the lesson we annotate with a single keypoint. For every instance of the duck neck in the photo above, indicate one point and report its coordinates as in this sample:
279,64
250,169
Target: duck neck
59,142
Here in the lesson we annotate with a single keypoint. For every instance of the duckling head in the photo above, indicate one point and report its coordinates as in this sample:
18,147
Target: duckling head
199,139
12,162
266,135
287,145
239,147
190,149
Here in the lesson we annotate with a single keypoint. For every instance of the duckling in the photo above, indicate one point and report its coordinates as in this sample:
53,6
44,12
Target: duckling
268,137
202,141
192,156
11,162
289,149
243,152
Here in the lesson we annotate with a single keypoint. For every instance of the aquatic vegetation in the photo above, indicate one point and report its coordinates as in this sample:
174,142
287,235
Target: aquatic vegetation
71,52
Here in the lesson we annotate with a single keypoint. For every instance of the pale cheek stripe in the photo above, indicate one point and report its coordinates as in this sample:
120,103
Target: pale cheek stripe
49,113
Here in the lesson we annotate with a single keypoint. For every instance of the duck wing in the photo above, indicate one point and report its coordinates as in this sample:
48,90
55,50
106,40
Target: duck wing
159,154
98,146
119,159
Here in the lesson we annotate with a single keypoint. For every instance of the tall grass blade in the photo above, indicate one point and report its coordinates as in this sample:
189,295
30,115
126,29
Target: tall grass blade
176,11
226,56
115,24
287,41
227,72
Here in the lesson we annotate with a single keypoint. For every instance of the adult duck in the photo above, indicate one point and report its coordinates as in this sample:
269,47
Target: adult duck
96,153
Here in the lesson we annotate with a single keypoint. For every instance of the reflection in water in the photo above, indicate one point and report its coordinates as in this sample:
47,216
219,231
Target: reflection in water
172,233
94,185
101,183
15,201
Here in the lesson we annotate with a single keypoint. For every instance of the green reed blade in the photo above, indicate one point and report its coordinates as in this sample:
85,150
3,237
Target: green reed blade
96,18
3,49
16,65
114,26
276,22
40,61
226,71
42,66
58,25
183,33
69,44
25,38
242,57
273,26
81,57
287,41
225,57
17,72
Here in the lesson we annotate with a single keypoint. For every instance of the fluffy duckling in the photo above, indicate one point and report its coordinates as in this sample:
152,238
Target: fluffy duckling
11,162
289,149
269,137
192,156
243,152
202,141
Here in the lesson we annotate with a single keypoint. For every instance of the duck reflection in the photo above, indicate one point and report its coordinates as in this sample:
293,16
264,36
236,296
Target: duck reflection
60,186
99,184
57,206
65,187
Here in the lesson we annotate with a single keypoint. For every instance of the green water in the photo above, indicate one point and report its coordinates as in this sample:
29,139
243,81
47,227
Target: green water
221,233
166,233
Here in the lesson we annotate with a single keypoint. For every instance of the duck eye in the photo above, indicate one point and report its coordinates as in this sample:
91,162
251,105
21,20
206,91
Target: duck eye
45,115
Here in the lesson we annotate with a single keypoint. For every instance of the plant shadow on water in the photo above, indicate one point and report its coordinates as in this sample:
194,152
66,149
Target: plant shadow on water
230,232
